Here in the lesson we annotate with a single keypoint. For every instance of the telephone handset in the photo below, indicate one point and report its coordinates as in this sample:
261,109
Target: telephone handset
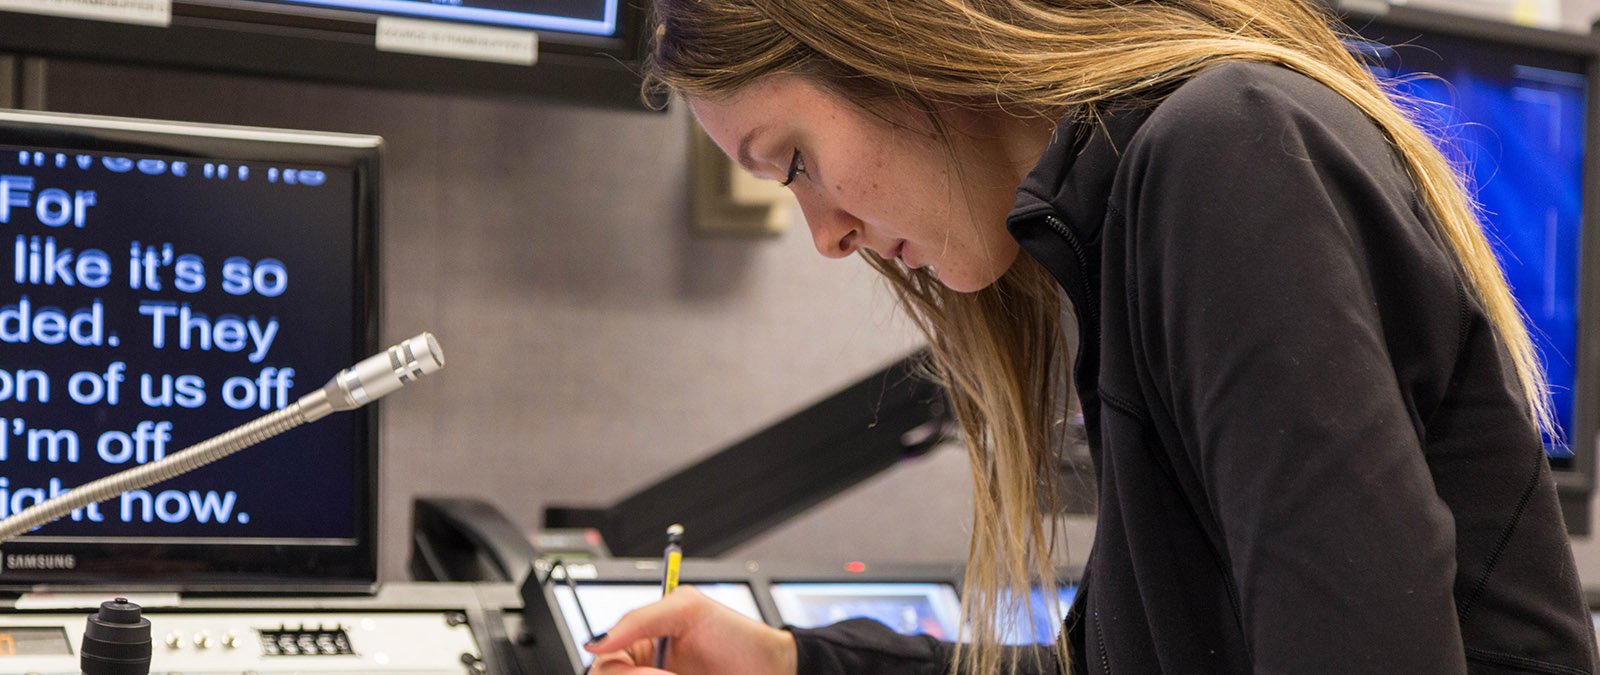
465,539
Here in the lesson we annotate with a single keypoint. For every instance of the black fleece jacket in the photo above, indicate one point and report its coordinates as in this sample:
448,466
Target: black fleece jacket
1312,451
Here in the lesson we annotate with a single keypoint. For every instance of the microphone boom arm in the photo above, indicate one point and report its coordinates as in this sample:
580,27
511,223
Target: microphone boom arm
351,388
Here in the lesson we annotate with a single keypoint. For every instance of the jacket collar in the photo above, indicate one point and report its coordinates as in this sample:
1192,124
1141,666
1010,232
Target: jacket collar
1073,177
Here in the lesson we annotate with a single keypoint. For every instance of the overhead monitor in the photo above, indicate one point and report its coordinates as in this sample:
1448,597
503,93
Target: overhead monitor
597,18
164,283
580,50
604,604
909,608
1511,105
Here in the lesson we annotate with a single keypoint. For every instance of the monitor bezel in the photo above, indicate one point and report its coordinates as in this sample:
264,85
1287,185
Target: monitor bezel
224,567
337,46
1574,483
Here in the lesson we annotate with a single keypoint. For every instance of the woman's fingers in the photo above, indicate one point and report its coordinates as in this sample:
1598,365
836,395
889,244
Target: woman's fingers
669,617
624,663
707,638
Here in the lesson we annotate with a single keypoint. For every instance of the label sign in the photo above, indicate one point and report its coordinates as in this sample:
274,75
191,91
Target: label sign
144,12
457,41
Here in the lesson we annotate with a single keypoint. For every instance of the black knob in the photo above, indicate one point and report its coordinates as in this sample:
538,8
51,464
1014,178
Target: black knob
116,640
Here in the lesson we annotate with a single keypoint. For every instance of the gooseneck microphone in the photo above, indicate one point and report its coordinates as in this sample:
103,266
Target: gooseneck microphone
352,388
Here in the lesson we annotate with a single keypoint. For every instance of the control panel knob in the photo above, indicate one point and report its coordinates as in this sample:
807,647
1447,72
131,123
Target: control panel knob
116,640
174,640
230,639
202,639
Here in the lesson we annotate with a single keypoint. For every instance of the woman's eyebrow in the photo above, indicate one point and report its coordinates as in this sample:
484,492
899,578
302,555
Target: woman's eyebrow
744,158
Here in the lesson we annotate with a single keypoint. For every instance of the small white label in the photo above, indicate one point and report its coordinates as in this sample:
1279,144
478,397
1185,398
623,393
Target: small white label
453,40
58,601
145,12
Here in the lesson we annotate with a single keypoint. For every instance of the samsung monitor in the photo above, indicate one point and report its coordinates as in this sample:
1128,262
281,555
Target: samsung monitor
1511,105
160,284
909,608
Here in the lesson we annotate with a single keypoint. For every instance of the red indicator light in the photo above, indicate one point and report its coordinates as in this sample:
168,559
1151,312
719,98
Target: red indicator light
855,567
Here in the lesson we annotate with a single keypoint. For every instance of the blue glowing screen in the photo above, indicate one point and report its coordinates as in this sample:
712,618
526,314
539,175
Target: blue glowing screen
587,17
1040,620
907,608
1515,117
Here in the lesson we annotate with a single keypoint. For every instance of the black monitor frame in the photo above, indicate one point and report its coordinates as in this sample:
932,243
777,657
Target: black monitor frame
222,567
337,46
1574,479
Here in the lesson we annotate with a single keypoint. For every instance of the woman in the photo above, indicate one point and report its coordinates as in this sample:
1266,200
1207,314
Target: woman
1314,410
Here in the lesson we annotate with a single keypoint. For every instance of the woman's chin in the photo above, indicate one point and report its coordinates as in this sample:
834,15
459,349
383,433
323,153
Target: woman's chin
961,283
965,281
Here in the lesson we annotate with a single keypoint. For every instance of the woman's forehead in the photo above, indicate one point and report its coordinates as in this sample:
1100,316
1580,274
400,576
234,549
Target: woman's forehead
776,102
771,92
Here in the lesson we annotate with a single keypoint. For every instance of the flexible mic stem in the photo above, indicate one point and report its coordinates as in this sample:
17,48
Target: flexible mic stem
352,388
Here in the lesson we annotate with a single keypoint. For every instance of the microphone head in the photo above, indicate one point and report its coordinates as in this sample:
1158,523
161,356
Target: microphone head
378,375
420,354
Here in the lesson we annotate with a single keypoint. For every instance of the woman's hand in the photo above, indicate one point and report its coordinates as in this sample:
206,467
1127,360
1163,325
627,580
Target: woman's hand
707,639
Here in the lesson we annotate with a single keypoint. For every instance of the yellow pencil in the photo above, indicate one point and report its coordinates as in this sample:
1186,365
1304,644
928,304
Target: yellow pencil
672,563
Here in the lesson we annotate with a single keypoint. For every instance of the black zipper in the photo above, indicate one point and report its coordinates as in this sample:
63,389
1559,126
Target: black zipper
1233,599
1088,299
1100,640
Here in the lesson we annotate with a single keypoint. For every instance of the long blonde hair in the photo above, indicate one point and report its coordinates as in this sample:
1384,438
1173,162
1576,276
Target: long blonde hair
1000,352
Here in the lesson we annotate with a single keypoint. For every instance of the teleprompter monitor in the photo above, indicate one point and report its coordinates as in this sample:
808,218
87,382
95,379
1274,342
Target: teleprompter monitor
1511,106
162,283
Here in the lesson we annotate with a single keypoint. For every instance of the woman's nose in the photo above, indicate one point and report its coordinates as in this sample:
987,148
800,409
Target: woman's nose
837,234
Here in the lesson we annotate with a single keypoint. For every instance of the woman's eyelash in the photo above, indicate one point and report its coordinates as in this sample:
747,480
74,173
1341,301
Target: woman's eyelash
797,166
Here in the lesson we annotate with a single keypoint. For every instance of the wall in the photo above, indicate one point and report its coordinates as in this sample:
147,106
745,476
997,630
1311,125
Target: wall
1578,15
